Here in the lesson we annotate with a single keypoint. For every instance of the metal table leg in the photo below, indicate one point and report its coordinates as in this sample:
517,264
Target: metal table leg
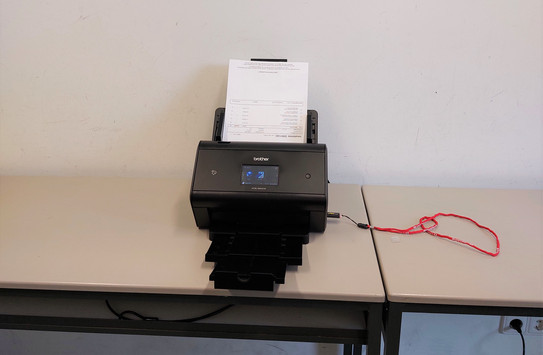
393,326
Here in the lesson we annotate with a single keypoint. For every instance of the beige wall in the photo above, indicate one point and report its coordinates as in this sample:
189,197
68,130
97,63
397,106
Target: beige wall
409,92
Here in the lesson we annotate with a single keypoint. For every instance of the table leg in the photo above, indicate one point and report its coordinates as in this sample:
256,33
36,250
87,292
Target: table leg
393,326
374,324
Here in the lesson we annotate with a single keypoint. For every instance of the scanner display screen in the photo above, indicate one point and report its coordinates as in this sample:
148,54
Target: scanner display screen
259,175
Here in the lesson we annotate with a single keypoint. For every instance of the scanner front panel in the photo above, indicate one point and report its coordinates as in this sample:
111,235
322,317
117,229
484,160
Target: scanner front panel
259,201
260,171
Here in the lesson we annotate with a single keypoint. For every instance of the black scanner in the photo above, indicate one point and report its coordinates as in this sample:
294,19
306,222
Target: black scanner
259,201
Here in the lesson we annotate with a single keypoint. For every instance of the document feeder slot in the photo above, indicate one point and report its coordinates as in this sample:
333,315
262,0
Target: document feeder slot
312,125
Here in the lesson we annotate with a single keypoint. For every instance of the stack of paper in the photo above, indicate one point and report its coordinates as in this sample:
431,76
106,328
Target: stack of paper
266,102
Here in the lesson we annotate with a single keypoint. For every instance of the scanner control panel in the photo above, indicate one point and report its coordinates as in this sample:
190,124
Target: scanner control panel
262,167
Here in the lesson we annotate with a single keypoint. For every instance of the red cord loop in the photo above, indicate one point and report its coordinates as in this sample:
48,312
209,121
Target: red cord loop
422,228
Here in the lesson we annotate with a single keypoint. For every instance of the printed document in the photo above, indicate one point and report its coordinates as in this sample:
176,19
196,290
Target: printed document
266,102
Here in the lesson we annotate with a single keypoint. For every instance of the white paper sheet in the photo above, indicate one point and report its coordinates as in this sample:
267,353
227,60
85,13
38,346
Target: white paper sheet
266,102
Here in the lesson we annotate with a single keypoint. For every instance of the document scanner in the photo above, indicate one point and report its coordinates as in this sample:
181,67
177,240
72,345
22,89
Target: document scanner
259,202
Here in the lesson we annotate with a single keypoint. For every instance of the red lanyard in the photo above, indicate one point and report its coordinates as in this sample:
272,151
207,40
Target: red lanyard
421,228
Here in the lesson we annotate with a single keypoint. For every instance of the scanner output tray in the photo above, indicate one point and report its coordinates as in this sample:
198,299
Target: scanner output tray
252,261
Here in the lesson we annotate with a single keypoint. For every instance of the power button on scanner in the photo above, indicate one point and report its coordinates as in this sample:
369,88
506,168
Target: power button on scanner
308,176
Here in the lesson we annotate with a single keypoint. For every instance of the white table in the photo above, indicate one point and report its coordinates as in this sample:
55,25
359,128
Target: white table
76,241
423,273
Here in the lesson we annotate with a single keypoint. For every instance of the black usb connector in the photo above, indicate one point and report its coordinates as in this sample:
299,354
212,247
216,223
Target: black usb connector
338,215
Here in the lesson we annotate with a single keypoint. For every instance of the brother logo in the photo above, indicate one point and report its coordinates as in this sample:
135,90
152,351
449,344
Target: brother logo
260,159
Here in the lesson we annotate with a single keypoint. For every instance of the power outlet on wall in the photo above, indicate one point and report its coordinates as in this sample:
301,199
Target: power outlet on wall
530,325
506,329
535,325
